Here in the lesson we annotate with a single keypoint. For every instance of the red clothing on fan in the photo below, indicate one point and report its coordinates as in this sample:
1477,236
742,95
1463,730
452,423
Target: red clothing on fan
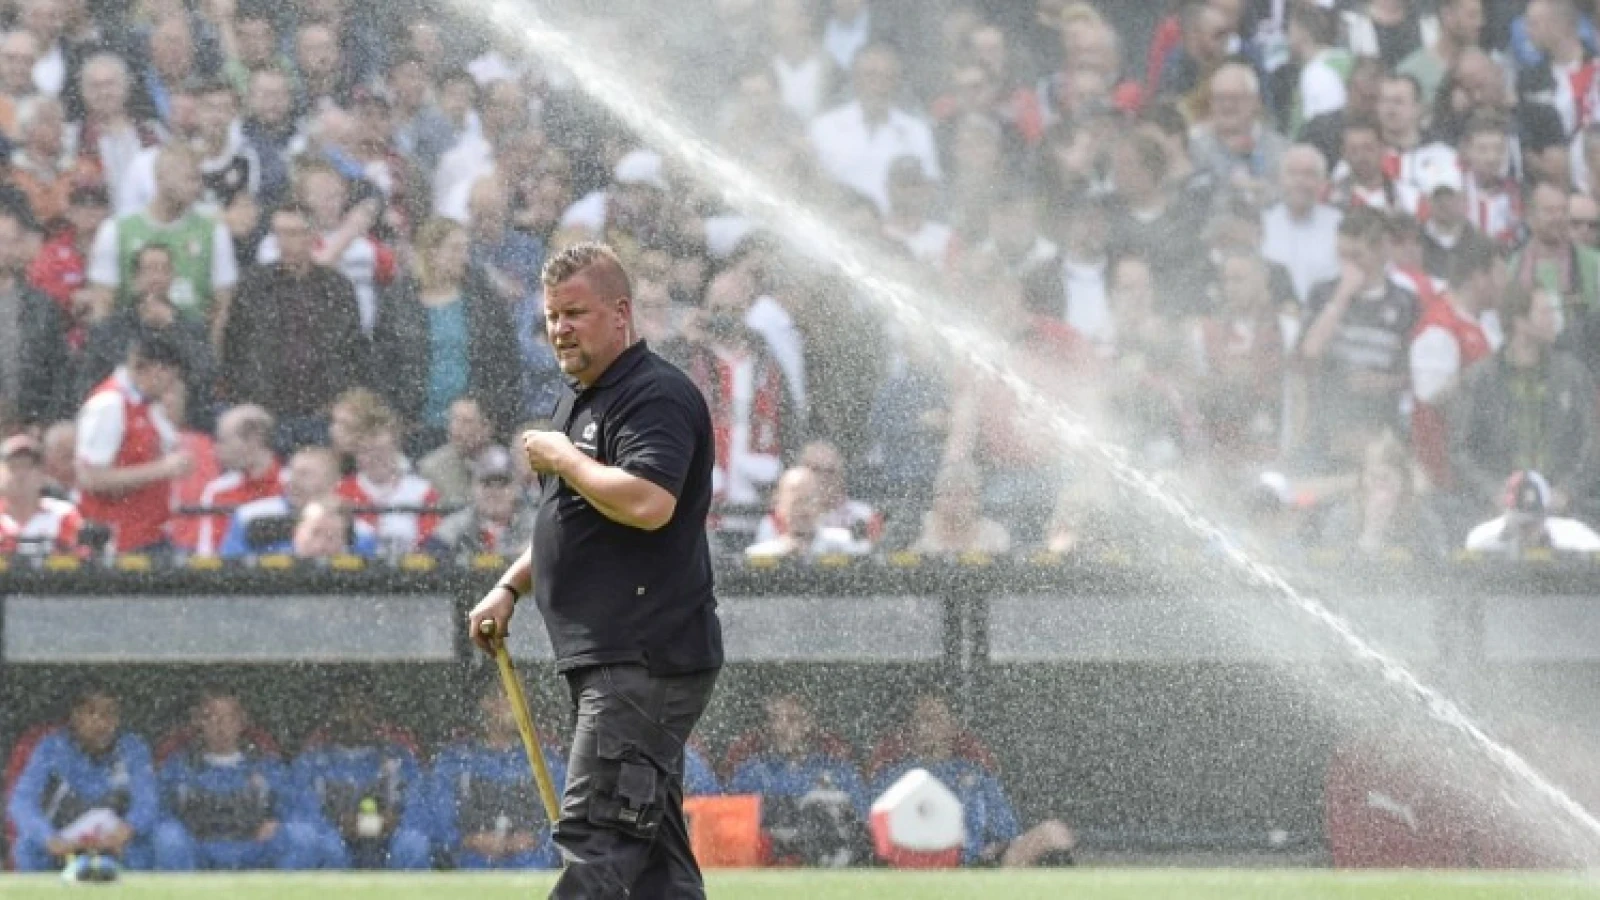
229,491
55,522
58,270
138,517
1430,432
406,529
185,530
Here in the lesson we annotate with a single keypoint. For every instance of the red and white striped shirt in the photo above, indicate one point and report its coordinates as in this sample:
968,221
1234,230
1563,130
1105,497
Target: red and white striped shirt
230,491
1495,209
404,529
54,523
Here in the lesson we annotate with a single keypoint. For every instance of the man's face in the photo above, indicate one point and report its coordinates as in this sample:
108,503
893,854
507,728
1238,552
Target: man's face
933,729
1542,25
310,477
172,48
468,428
586,330
94,722
1367,256
1398,110
295,239
105,90
22,477
1547,218
233,451
1486,153
495,499
317,51
375,452
214,113
1303,181
220,722
258,41
449,259
178,181
877,76
1448,208
18,53
270,102
320,533
1234,106
152,276
1583,218
1363,151
1207,42
1132,289
1462,20
790,726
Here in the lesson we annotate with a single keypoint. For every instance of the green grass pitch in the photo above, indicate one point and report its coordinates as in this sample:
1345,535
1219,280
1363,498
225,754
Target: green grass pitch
1082,884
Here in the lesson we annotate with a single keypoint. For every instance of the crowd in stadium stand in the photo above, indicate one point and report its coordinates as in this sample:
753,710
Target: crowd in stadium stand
269,271
218,791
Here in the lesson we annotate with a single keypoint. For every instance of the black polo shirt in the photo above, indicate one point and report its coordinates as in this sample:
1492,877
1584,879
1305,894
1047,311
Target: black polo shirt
614,594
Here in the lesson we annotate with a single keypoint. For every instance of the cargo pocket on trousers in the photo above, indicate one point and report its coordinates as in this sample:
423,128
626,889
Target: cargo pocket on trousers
629,790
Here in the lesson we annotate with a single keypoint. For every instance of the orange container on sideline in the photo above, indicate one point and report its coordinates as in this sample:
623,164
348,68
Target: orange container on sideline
725,832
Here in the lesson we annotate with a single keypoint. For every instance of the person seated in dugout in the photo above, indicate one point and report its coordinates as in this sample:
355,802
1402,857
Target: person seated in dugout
230,802
994,836
362,790
486,812
86,788
814,802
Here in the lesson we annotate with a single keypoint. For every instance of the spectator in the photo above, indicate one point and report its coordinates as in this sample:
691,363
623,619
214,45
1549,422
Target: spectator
1400,113
1015,239
1364,86
486,809
856,143
1554,81
827,464
46,21
355,412
265,526
1551,260
1388,514
1391,30
813,800
34,359
956,524
510,258
1354,346
804,70
151,313
1460,27
442,334
248,37
60,447
1528,406
908,430
229,167
1233,143
471,444
498,519
910,218
1084,278
1361,178
422,132
86,787
1527,524
382,482
848,31
342,236
1324,67
168,68
1449,340
994,836
127,456
41,168
294,341
250,472
1493,198
1203,50
1584,215
1301,233
1546,148
19,50
269,130
202,250
325,82
231,803
504,118
1243,352
109,139
363,790
798,505
30,522
324,530
59,268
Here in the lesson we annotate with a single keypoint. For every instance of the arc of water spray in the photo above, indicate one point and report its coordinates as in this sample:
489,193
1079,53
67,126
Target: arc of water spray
800,225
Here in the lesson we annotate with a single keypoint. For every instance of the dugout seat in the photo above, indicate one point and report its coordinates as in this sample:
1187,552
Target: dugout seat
15,762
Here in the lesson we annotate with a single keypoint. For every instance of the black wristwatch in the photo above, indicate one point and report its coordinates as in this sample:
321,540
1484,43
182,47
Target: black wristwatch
516,595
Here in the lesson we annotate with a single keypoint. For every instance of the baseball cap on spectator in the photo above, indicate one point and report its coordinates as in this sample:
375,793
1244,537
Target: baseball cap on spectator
1528,493
1439,172
19,444
493,466
641,167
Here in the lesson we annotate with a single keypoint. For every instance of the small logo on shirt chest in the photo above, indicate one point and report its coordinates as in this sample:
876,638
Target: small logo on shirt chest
586,442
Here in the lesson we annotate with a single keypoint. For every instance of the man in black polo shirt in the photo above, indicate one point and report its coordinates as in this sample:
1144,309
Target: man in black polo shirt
624,584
